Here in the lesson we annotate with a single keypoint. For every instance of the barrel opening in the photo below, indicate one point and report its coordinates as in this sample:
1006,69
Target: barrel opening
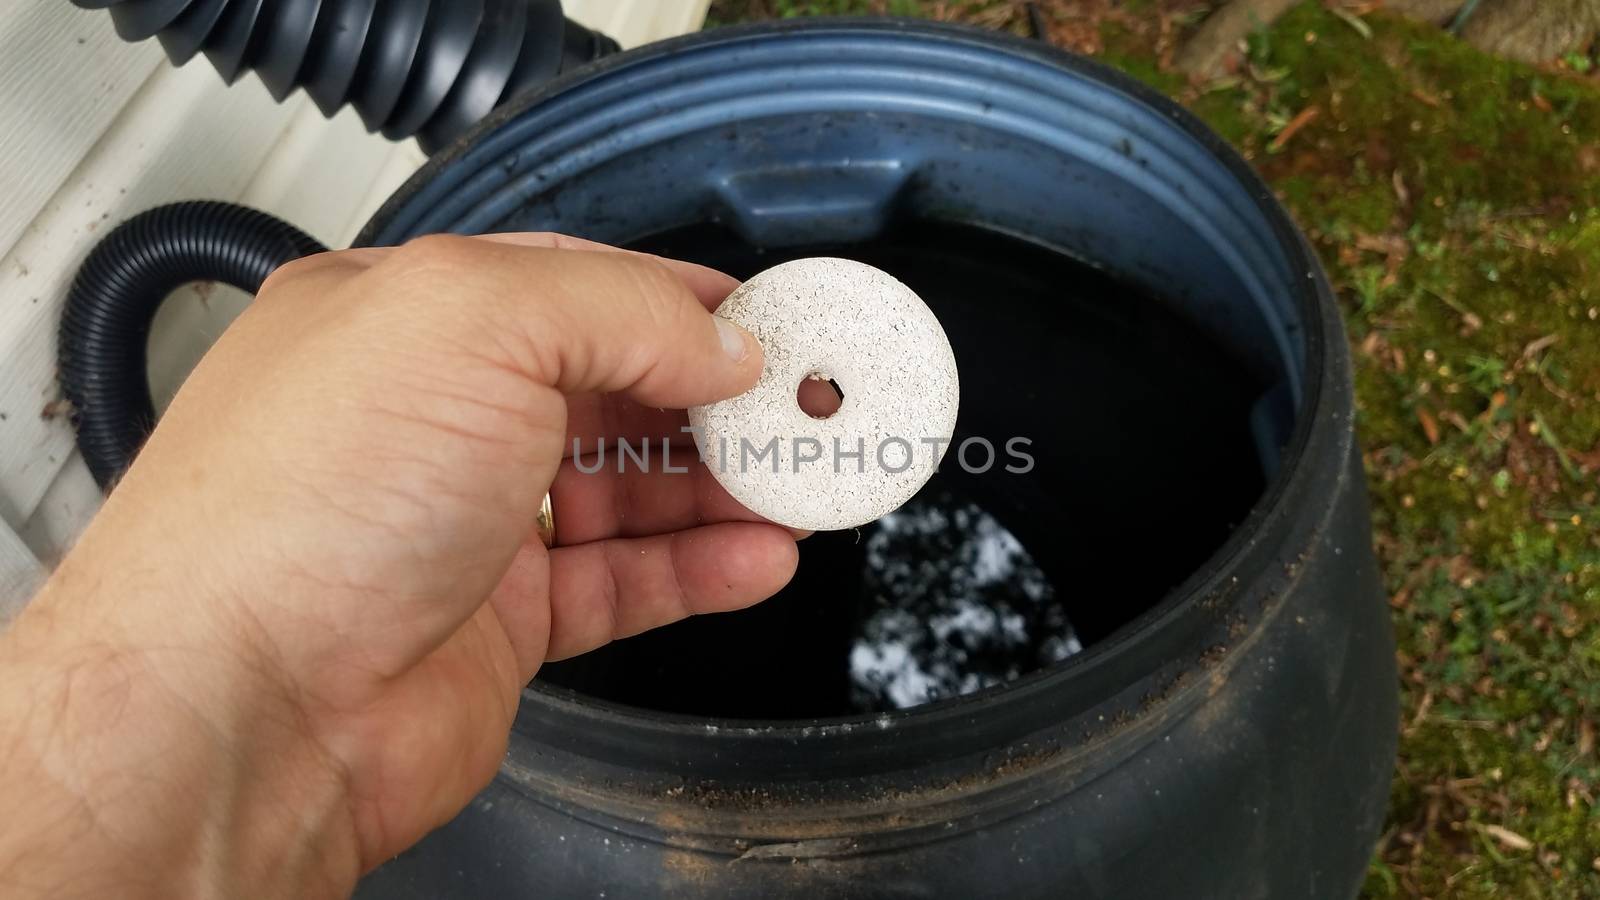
1128,315
1107,445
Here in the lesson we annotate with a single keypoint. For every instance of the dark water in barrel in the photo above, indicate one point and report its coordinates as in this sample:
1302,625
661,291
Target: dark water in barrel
1143,463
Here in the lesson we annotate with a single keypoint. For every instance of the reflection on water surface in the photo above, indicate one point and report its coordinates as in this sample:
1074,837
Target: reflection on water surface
954,604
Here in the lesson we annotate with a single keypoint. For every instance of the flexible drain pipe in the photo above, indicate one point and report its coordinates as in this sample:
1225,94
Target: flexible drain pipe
423,68
106,324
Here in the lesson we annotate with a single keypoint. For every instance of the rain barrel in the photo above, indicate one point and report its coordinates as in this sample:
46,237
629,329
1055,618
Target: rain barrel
1153,661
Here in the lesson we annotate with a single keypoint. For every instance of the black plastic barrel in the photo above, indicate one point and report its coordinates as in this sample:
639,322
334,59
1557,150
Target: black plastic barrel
1156,664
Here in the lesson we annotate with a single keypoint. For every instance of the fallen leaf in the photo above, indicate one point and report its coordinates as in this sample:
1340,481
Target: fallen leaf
1423,707
1425,98
1387,244
1537,347
1354,21
1430,426
55,408
1508,839
1306,117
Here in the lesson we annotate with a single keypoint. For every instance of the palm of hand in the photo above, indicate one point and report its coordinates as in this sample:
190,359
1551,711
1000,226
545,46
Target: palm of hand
359,466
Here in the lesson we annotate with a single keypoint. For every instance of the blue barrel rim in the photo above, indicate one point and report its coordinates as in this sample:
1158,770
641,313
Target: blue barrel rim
1323,422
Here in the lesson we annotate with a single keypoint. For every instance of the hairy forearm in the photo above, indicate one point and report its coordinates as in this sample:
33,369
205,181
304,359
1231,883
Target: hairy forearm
132,766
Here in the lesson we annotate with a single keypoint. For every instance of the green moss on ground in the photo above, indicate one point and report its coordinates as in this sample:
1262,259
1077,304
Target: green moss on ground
1454,198
724,12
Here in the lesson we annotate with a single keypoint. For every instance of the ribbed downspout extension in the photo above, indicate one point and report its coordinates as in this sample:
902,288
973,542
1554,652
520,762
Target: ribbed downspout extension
429,68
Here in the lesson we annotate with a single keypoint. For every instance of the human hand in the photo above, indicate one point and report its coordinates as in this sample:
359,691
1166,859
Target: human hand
294,639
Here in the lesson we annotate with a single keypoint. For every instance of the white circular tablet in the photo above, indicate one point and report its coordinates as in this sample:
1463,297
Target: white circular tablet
889,359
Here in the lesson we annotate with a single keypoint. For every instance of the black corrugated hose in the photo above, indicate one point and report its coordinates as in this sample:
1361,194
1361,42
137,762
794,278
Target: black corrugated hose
429,68
105,327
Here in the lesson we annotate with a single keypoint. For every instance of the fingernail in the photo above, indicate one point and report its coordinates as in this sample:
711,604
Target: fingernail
733,339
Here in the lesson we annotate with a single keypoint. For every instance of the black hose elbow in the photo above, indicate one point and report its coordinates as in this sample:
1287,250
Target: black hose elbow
423,68
105,327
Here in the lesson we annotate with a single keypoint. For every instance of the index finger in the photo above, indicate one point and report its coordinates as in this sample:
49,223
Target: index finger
574,320
709,286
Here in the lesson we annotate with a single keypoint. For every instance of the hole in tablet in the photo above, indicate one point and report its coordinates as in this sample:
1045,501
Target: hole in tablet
819,396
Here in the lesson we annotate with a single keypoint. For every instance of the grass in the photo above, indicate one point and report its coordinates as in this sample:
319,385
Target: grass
1455,199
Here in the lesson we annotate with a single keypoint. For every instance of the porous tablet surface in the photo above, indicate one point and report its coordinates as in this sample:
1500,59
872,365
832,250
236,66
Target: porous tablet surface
883,347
